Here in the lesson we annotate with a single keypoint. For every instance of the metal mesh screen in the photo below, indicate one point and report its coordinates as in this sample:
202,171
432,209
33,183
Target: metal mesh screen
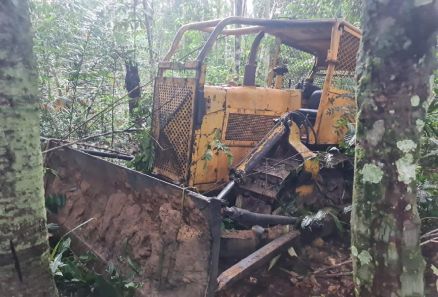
319,78
248,127
173,126
344,71
298,63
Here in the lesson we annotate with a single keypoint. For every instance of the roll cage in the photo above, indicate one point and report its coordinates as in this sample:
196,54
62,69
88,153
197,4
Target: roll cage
311,36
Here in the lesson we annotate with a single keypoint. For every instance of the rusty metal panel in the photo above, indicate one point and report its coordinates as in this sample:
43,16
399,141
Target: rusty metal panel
248,127
173,113
171,234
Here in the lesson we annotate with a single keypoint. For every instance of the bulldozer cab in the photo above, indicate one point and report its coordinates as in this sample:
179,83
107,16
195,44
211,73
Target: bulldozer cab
190,118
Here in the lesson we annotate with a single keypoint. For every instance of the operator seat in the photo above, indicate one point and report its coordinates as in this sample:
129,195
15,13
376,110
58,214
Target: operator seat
312,97
309,88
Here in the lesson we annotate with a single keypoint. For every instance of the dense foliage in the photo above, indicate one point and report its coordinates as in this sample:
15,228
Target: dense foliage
83,49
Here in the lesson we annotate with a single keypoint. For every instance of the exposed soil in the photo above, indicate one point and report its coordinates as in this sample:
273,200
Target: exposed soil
163,230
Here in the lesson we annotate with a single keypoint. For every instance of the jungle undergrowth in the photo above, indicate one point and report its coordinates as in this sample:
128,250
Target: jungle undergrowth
76,276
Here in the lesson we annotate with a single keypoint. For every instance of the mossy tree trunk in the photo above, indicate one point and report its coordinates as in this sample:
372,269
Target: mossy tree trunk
395,76
24,262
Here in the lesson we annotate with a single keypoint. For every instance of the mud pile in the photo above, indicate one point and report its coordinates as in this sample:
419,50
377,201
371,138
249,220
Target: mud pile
171,234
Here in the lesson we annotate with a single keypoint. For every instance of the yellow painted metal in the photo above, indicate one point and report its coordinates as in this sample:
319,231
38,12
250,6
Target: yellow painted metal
249,110
175,97
279,129
339,108
335,104
279,81
311,162
295,142
304,191
331,62
262,99
221,102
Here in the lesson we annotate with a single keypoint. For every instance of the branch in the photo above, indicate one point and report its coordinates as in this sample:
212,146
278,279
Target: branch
90,137
112,105
85,144
331,267
317,273
430,234
433,240
335,274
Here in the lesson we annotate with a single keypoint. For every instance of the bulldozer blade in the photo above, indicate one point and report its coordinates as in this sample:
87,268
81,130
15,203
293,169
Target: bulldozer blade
170,233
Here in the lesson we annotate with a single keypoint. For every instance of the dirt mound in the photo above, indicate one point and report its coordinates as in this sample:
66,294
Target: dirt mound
170,235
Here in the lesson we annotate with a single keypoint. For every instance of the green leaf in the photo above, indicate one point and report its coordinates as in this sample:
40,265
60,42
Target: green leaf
111,268
434,270
134,266
104,288
336,220
208,155
52,226
273,262
131,285
354,251
55,202
56,264
291,251
65,245
364,257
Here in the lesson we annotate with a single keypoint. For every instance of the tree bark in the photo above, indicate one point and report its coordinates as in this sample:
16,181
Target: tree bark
132,85
148,12
395,76
24,250
238,11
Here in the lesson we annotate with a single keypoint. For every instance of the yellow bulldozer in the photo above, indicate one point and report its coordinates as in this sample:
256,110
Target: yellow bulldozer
270,131
282,138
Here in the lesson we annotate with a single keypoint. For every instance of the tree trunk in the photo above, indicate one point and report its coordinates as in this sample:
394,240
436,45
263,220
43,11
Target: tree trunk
395,75
24,250
132,85
238,11
148,12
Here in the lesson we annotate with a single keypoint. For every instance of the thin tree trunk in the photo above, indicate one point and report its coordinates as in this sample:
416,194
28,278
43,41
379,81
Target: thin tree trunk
148,11
24,260
238,11
394,77
132,85
75,81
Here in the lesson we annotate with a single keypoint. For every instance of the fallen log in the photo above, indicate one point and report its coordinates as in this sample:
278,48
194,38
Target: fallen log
254,261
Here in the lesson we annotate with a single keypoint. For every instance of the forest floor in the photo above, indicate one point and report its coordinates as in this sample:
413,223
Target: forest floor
322,268
307,274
